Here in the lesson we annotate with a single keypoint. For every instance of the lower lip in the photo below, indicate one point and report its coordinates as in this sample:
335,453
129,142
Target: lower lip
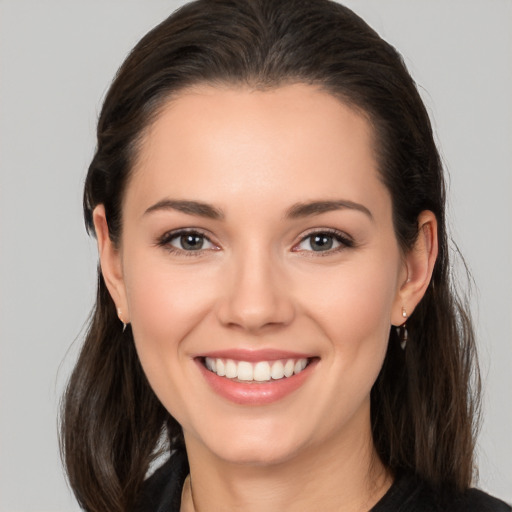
255,393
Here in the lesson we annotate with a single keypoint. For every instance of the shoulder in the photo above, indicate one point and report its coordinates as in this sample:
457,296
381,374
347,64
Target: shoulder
478,501
161,492
410,494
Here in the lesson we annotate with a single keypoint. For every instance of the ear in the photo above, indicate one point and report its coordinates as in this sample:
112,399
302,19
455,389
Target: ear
419,264
111,265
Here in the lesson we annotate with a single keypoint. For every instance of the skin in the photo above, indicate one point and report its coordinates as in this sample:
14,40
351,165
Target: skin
257,284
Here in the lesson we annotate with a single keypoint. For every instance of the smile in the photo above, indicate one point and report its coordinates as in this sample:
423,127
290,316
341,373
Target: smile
260,371
253,378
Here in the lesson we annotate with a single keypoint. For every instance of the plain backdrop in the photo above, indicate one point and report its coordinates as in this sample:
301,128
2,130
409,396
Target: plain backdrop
57,59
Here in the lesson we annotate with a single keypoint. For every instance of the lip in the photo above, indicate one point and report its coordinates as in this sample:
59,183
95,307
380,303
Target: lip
255,393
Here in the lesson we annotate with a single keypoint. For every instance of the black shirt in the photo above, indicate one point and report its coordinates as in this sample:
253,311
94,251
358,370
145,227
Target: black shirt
162,493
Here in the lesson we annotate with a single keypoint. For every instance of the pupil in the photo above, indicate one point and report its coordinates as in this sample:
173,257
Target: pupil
191,242
321,242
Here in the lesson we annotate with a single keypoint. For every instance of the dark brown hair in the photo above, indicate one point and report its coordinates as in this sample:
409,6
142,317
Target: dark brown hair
423,406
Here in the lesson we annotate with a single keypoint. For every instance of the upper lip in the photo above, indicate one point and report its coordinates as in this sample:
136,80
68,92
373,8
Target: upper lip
254,355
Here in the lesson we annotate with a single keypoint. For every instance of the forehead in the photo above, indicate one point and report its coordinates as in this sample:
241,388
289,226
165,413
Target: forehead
220,142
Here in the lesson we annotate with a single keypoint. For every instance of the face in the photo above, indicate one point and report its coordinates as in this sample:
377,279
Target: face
258,242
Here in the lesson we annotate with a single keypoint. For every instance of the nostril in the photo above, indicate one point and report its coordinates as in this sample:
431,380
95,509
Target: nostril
255,297
253,316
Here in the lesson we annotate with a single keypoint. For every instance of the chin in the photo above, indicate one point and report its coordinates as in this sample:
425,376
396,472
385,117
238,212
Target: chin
256,455
251,446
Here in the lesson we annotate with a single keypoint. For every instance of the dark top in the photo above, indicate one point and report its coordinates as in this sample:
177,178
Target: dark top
162,493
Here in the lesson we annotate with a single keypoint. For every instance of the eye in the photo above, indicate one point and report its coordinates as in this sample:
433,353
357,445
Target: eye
324,241
186,241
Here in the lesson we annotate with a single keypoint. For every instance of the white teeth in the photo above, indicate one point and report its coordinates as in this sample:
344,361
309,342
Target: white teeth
231,369
210,364
277,371
288,368
299,366
262,371
221,371
245,371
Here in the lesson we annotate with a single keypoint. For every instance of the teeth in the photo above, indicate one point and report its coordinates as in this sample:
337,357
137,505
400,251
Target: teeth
245,371
299,366
277,370
262,371
221,370
210,364
231,369
288,368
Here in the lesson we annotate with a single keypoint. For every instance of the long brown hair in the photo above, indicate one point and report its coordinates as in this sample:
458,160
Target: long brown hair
423,403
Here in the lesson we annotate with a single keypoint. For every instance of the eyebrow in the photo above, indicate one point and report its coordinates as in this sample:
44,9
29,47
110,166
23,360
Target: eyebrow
296,211
318,207
190,207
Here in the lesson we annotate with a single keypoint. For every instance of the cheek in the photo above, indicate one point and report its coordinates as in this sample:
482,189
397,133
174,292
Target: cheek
165,303
355,316
163,298
353,304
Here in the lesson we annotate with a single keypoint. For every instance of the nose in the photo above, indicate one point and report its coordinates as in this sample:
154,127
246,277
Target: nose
257,296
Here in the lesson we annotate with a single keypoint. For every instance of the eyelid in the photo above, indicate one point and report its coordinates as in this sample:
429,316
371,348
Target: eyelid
165,241
343,238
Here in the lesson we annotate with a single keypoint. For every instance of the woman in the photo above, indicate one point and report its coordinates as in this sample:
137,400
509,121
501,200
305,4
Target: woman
274,305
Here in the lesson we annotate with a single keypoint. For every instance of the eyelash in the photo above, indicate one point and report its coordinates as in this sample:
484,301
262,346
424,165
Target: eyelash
165,242
343,239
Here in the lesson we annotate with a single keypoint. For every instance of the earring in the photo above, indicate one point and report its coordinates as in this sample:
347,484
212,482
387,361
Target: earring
402,331
119,314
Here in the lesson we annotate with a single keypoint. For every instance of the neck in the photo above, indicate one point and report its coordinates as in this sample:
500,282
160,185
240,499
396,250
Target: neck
339,476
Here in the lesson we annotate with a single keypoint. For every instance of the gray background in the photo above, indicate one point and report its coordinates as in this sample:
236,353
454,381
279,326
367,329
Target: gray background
56,61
